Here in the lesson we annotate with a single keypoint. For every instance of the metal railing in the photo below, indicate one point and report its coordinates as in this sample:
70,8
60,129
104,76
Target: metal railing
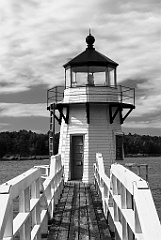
55,94
127,203
124,94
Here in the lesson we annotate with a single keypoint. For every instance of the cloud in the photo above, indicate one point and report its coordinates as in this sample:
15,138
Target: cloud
12,88
147,105
23,110
38,37
4,126
143,124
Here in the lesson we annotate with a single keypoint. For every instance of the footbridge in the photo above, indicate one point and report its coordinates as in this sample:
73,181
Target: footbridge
38,204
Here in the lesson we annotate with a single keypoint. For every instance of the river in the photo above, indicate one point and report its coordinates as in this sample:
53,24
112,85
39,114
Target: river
10,169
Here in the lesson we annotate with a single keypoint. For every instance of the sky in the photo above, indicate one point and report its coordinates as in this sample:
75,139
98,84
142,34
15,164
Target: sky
38,37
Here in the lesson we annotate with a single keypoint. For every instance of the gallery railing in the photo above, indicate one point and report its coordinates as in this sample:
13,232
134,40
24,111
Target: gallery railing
122,93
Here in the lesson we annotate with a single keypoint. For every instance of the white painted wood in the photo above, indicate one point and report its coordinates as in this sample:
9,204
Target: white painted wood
18,221
126,177
90,94
44,222
35,233
98,137
138,219
7,238
5,211
143,200
23,181
34,208
8,231
33,203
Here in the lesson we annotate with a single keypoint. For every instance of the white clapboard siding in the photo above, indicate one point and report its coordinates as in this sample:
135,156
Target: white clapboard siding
98,134
98,137
77,125
90,94
101,135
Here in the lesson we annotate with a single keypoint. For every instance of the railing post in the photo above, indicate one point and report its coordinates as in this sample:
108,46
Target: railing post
116,213
100,163
114,185
47,98
9,225
124,229
56,94
146,172
101,170
52,166
138,170
121,93
24,206
123,197
35,194
25,231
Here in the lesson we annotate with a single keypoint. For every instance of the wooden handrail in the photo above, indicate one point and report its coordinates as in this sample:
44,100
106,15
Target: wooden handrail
127,203
36,201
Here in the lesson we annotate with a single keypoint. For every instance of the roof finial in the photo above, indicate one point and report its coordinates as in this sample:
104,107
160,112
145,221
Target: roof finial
90,40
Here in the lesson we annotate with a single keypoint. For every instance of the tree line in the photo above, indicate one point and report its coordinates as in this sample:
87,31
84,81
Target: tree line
142,145
27,143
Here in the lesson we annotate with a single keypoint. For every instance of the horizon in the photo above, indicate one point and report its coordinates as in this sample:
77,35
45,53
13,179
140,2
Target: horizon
59,132
39,37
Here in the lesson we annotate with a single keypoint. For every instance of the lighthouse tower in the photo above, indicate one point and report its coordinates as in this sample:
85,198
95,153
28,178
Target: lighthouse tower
90,109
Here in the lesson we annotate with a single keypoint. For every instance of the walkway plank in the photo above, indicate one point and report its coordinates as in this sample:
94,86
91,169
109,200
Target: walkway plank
79,215
84,218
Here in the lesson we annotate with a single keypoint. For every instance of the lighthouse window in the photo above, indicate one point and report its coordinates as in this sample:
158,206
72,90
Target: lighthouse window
112,80
67,78
119,147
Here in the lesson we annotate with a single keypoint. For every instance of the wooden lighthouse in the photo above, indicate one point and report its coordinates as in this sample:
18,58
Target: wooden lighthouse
90,109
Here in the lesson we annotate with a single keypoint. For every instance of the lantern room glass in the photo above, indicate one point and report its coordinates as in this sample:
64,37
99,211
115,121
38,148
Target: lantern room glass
90,76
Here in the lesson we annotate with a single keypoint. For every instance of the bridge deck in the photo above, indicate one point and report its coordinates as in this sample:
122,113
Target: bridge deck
79,215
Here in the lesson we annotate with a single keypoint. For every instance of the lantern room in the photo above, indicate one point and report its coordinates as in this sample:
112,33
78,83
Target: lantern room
90,68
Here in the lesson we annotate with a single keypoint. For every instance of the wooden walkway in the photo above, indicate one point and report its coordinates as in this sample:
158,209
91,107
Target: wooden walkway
79,215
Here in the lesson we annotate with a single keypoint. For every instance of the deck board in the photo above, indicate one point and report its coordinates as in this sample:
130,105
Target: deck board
79,215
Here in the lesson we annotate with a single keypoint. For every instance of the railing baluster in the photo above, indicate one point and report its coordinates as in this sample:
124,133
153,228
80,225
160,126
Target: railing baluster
114,184
9,225
129,200
36,202
123,196
146,177
124,229
24,207
116,212
129,206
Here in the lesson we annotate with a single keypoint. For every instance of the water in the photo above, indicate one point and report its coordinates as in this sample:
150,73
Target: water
10,169
154,178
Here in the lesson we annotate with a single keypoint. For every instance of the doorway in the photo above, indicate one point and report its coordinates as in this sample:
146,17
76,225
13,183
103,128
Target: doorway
77,157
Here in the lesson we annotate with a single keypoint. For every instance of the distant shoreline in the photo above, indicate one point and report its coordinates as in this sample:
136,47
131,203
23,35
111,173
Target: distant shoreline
42,157
141,155
19,158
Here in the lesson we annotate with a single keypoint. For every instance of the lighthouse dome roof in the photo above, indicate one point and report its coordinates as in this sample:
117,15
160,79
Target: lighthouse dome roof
90,57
